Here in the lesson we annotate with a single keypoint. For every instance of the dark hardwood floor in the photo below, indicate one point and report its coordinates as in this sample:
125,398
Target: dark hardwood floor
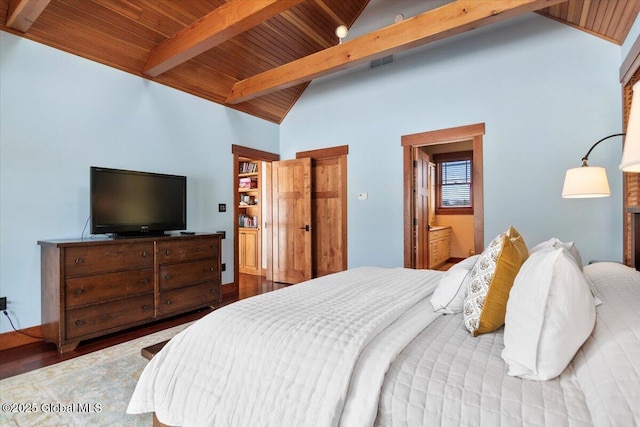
37,355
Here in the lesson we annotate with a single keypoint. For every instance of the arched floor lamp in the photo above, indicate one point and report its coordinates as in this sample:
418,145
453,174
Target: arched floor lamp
591,181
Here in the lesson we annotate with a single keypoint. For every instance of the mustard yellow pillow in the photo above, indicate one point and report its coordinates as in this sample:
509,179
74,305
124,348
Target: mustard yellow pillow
485,303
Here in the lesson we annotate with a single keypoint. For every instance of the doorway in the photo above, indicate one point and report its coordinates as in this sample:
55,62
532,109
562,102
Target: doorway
416,232
324,230
245,207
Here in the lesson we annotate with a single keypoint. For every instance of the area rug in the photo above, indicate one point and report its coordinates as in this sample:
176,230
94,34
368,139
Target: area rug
89,390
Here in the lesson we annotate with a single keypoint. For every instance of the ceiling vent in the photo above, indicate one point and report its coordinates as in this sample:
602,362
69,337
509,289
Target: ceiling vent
382,61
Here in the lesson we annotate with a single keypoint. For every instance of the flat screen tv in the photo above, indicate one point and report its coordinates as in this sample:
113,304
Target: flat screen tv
129,203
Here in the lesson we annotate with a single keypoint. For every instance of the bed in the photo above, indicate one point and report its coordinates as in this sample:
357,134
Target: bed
369,346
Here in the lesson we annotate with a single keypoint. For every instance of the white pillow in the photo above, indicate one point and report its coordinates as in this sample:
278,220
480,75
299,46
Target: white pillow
448,298
557,243
550,314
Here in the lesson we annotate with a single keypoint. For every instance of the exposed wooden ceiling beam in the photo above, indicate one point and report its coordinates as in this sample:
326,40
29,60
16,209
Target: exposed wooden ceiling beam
223,23
446,21
23,13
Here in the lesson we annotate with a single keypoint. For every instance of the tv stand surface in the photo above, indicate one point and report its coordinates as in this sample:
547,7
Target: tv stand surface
92,288
138,235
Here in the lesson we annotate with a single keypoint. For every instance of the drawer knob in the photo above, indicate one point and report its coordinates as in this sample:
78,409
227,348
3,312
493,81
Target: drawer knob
167,277
79,260
145,281
79,322
214,247
213,291
144,253
79,291
167,252
168,302
146,307
212,269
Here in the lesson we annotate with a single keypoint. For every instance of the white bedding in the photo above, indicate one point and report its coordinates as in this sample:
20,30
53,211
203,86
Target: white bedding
364,347
281,359
608,364
446,377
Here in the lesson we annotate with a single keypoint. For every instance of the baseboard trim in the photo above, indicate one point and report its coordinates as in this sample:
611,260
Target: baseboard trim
15,339
230,293
228,288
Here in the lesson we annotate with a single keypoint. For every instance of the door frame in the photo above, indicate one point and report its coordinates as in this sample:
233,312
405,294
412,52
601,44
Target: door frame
472,132
259,155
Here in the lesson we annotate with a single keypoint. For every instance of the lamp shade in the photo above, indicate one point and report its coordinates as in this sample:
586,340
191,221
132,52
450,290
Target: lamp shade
631,153
586,182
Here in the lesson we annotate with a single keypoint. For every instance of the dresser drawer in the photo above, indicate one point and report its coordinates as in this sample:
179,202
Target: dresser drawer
187,250
108,317
191,297
104,258
109,286
188,273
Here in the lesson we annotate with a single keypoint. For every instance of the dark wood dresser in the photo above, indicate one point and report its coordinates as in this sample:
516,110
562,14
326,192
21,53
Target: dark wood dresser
92,288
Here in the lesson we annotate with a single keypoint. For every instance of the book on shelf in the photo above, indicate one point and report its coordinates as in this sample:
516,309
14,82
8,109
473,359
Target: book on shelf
247,183
248,167
247,200
247,221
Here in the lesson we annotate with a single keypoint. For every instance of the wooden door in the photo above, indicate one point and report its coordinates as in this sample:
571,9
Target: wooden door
291,220
328,207
422,209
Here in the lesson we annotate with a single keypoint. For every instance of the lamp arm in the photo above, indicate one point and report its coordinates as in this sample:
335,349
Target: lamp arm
586,157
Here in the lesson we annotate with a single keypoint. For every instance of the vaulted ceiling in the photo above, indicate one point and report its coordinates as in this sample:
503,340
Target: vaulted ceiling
258,56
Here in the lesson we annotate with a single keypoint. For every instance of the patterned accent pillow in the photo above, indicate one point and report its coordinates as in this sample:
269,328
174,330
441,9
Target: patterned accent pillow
492,277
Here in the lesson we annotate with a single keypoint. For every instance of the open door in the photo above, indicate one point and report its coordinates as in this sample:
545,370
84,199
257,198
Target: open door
422,209
291,220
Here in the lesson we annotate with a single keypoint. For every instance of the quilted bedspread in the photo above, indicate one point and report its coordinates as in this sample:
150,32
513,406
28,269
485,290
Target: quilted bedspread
607,366
445,377
284,358
449,378
364,348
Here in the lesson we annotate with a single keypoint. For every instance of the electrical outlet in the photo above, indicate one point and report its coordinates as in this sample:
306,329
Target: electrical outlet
224,267
3,303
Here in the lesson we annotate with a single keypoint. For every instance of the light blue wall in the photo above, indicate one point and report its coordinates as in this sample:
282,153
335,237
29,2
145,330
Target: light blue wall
61,114
546,93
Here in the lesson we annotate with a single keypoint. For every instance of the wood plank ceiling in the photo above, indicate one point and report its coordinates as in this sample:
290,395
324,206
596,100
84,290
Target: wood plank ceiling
258,56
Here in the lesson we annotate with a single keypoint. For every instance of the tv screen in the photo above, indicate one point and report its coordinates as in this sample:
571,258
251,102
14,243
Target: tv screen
130,203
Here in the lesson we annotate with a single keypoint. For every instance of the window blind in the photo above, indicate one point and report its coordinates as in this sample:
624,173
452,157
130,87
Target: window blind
456,184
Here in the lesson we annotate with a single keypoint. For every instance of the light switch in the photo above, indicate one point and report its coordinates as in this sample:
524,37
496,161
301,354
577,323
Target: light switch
363,196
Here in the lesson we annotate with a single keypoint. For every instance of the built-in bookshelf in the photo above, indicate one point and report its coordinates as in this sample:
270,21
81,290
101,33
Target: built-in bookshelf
249,216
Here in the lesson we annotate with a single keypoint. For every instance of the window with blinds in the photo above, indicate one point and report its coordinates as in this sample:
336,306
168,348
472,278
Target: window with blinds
454,193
